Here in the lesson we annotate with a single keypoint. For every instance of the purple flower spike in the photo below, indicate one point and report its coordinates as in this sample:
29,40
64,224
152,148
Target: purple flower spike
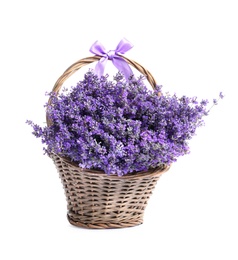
221,95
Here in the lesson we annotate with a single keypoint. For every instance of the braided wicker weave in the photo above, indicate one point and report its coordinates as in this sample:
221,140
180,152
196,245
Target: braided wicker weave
96,200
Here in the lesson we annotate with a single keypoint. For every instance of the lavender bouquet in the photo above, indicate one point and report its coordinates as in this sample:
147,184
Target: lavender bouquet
119,126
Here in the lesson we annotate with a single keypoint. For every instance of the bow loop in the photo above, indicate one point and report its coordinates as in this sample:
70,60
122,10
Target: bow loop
114,55
123,46
98,49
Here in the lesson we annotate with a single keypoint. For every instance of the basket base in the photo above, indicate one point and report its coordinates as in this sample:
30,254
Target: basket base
102,225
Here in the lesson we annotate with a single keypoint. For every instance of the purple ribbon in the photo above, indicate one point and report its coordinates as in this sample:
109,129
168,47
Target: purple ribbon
114,55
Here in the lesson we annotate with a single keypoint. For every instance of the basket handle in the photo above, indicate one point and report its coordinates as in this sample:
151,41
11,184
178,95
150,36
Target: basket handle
80,63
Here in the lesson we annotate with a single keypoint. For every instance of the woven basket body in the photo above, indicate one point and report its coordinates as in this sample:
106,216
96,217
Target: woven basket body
96,200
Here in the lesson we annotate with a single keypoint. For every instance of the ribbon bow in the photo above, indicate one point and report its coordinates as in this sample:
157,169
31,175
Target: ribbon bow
114,55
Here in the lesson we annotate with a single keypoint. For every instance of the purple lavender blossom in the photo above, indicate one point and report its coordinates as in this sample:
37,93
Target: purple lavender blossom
119,127
221,96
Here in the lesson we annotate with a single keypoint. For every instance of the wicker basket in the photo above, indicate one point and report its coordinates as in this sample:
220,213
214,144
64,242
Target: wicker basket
96,200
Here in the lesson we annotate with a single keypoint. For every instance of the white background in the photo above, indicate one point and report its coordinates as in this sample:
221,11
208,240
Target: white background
190,47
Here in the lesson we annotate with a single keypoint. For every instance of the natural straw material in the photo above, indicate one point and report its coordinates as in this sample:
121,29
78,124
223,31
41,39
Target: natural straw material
95,199
98,200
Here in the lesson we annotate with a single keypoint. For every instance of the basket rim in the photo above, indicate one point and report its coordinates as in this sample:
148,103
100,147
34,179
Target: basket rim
99,173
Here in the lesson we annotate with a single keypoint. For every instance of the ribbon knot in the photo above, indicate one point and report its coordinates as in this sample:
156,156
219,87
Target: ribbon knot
114,55
111,54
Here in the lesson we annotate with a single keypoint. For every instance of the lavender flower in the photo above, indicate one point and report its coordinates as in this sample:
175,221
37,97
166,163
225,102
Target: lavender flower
119,127
221,96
